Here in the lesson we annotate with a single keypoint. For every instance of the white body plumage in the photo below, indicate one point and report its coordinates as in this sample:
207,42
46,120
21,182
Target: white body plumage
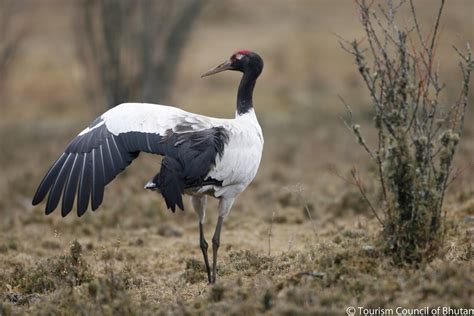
242,153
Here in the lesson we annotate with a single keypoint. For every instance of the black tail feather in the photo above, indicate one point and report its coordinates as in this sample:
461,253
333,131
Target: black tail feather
171,183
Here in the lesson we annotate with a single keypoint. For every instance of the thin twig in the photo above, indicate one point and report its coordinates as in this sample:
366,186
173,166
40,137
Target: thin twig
355,128
456,175
333,170
362,192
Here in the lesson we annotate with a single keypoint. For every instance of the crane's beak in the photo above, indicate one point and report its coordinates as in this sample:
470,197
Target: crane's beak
227,65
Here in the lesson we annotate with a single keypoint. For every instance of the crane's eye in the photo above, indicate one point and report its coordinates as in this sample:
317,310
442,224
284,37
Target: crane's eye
239,56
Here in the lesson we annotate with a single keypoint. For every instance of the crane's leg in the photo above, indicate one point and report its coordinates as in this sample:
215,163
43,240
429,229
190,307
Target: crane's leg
216,240
199,204
225,205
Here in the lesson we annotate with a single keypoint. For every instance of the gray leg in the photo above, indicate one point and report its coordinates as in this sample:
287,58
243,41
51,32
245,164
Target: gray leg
204,246
215,246
199,204
225,204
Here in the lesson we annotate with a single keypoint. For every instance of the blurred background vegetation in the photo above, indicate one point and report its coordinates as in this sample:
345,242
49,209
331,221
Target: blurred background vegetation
62,63
55,82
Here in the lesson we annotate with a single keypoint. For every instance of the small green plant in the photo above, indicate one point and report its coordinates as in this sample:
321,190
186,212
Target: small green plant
417,132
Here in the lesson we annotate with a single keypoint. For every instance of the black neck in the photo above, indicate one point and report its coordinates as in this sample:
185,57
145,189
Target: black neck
244,95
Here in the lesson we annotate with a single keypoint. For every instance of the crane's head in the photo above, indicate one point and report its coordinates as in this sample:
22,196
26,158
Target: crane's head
243,61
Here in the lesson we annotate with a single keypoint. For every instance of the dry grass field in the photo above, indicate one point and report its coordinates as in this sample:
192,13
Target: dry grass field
133,256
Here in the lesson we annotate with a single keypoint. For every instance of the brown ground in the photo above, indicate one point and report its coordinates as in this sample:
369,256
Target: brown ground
134,256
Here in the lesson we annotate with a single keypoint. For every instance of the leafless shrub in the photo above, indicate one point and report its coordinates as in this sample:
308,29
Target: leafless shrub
417,133
131,49
11,36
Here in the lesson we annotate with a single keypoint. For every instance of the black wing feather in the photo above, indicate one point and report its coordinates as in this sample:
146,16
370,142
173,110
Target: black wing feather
84,185
57,188
111,160
71,185
119,161
49,179
109,173
97,179
95,157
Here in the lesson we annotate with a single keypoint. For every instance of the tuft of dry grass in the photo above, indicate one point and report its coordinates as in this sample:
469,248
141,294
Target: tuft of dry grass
49,275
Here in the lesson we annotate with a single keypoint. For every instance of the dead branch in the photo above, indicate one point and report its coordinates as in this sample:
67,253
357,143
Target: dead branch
131,49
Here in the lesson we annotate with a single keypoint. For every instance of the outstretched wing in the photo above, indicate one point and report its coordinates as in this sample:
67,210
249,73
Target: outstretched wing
108,146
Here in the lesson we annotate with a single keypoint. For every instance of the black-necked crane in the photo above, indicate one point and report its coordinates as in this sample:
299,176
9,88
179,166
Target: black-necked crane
201,155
